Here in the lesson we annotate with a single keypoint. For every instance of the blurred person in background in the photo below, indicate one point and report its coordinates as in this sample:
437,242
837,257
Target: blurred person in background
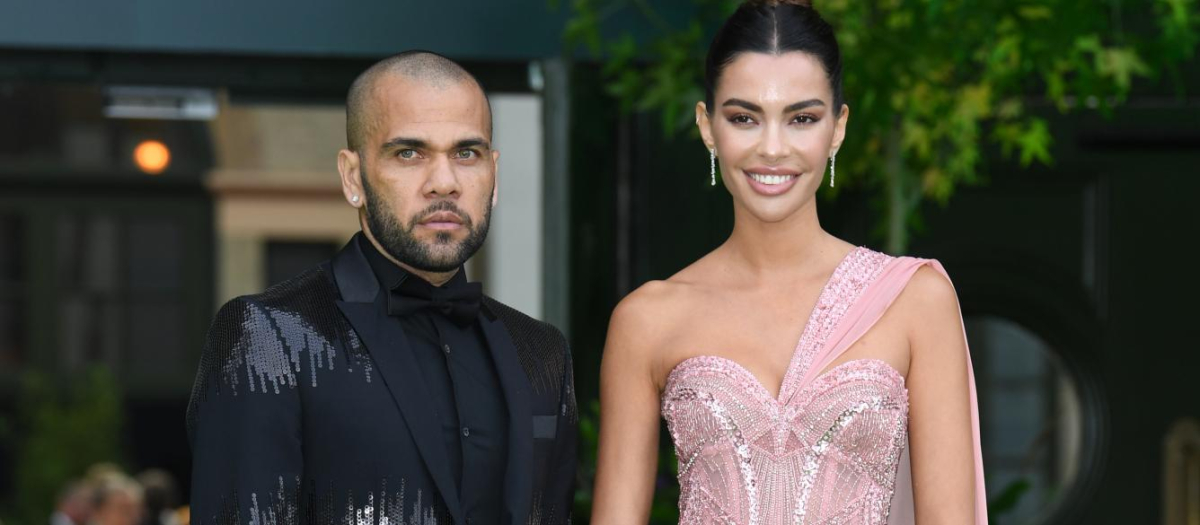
382,384
74,504
161,497
101,471
117,500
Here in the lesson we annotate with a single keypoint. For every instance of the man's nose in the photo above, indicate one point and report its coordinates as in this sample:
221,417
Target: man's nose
443,181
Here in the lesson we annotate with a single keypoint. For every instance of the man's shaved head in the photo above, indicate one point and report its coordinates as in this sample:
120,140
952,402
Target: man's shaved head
423,66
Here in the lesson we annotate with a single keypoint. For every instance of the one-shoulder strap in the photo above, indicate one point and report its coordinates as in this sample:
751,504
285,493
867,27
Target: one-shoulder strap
859,319
866,312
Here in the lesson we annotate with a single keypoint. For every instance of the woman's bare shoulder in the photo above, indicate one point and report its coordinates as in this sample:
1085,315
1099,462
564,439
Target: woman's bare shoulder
930,306
659,304
651,307
649,323
929,293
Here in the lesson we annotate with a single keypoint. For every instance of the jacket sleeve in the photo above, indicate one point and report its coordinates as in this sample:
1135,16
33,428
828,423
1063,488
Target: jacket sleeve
560,496
244,422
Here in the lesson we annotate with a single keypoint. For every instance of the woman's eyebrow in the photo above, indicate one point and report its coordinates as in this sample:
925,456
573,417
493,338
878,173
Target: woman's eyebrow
796,106
743,104
804,105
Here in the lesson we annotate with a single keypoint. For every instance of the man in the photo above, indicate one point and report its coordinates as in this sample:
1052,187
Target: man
382,387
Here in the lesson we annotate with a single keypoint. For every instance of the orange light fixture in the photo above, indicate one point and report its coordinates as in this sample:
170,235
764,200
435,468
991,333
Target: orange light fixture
152,157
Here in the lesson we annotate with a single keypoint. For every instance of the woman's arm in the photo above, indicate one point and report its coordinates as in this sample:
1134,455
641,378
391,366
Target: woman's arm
629,418
940,431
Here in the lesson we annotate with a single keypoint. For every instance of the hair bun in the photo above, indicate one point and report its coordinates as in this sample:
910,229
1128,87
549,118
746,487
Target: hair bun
776,3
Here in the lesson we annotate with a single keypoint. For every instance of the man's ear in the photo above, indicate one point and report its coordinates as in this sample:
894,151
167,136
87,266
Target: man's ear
349,166
495,177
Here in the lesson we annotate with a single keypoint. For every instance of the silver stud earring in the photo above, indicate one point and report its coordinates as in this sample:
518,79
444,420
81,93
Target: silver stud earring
712,164
354,199
832,168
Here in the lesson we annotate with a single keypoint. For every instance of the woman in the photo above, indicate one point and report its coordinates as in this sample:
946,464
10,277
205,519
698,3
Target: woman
804,380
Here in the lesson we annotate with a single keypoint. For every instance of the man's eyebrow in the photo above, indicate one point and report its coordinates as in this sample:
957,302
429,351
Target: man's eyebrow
471,143
404,142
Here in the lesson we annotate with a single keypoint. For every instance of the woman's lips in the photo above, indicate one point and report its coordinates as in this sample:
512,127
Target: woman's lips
771,181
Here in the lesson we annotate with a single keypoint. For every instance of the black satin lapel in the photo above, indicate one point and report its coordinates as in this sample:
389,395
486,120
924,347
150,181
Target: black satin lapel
356,282
388,346
519,475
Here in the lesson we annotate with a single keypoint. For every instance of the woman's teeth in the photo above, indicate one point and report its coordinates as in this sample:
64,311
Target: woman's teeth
770,180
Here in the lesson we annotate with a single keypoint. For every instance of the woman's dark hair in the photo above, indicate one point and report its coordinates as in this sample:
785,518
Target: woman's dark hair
774,27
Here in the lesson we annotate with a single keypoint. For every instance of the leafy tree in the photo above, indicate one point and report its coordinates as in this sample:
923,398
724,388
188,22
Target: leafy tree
930,83
59,433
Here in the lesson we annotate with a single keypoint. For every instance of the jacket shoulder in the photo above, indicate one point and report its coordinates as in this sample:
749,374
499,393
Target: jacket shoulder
257,344
525,328
263,321
541,348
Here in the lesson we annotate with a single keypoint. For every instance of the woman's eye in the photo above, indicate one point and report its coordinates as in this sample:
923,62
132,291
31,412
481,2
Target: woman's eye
741,119
407,153
805,119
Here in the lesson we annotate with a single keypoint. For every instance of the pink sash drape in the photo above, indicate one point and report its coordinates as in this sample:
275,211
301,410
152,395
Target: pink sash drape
861,316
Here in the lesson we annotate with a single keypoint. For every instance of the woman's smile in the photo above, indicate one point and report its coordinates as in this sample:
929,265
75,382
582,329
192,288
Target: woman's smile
771,181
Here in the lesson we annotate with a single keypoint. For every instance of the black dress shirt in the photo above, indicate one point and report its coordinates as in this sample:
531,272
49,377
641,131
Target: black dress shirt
464,390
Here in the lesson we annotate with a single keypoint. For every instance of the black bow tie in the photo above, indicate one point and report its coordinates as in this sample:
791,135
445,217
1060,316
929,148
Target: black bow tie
458,301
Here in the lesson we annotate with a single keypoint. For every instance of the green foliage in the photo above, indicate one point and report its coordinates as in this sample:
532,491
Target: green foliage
59,431
930,83
664,510
1008,499
589,439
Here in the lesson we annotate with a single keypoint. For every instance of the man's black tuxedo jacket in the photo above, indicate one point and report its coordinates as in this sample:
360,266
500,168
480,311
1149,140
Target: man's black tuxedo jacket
310,408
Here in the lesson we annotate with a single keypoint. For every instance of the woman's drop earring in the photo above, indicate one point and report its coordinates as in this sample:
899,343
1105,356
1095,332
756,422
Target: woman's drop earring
832,168
712,164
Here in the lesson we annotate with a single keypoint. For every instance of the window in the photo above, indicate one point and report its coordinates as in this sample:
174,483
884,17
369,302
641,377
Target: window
120,281
1030,419
13,290
287,259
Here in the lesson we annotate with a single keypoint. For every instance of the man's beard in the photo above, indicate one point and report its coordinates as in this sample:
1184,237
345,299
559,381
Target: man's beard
400,242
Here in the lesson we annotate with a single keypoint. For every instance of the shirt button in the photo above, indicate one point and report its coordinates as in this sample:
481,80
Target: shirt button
446,348
466,431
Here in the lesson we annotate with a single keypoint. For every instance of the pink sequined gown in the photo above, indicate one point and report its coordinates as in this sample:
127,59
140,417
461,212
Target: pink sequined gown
832,448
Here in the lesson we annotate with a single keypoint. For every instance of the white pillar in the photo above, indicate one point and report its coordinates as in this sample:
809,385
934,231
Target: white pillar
512,261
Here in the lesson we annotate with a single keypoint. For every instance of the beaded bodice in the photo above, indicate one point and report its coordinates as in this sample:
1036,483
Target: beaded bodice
825,450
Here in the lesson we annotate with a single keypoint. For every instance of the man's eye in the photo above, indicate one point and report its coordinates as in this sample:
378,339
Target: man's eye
466,154
407,153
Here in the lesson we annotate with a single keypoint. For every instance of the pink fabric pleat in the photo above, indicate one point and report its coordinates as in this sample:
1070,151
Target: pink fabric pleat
859,319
